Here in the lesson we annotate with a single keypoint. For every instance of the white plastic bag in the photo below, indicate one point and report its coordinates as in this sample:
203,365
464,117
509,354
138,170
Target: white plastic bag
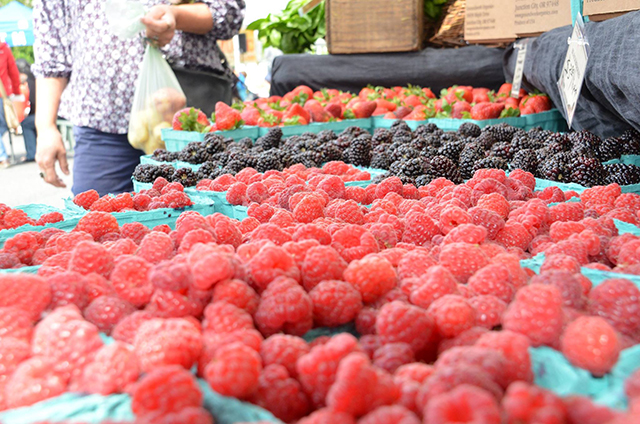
158,95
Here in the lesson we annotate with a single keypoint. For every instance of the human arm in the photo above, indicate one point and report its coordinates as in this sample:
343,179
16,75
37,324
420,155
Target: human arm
12,69
50,148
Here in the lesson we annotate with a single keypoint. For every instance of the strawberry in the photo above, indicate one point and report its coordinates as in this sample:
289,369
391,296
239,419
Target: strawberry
296,110
388,93
386,104
402,111
459,108
295,120
250,115
427,92
390,115
413,101
534,103
380,111
511,103
418,114
486,110
460,92
366,92
226,118
316,111
480,95
505,91
334,109
362,109
190,119
268,120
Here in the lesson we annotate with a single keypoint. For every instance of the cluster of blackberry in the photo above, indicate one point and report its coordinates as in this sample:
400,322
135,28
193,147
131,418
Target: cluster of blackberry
147,173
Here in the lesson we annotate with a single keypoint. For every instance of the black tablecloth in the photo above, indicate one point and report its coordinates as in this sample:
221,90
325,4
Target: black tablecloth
610,99
434,68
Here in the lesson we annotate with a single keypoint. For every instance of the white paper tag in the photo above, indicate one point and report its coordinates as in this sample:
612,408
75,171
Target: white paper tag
519,71
573,70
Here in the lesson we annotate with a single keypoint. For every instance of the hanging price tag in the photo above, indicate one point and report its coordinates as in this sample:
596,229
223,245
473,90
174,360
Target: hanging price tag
519,71
573,70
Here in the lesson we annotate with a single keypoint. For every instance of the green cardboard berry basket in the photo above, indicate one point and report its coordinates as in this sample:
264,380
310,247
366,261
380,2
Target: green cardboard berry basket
551,120
316,127
24,270
149,160
175,141
380,122
35,211
221,205
374,172
542,184
451,124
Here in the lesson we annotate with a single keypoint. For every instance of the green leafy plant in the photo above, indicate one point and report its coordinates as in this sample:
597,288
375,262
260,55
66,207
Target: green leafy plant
289,31
433,8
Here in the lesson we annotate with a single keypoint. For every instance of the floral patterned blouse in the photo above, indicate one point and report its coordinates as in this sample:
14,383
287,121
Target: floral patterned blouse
73,41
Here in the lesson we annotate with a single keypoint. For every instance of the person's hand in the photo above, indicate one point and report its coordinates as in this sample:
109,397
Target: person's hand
50,149
161,24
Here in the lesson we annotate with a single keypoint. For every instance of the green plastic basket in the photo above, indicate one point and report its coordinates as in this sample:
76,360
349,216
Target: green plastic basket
221,205
24,270
175,141
149,160
380,122
551,120
316,127
35,211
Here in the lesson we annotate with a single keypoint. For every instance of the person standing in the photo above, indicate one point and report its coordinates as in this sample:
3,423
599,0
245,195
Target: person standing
10,80
77,54
29,123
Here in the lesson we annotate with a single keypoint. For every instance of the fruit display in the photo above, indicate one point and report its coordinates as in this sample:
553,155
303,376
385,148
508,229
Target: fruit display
170,196
429,278
11,218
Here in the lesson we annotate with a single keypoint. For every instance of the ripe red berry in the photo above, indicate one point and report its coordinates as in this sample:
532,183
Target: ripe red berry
531,404
106,311
465,403
280,394
462,260
284,306
392,355
130,278
86,198
591,343
34,380
372,276
618,302
234,370
165,390
27,292
321,263
452,314
114,368
284,350
335,303
401,322
515,348
98,224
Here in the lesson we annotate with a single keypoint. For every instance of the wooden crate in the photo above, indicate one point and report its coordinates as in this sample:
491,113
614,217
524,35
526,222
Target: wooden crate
374,26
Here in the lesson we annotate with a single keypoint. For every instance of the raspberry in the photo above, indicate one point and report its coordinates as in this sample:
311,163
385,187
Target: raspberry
465,403
234,371
210,270
98,224
560,262
312,232
372,276
392,355
86,198
491,361
23,245
514,234
121,247
225,230
542,302
419,228
9,260
141,202
298,250
398,322
489,310
88,257
16,218
237,194
617,301
360,387
27,292
67,339
591,343
122,202
415,264
493,279
434,284
156,247
262,213
68,288
50,218
114,368
284,306
237,293
307,209
584,411
103,204
106,311
354,242
283,350
632,385
34,380
350,212
624,251
452,315
223,317
171,304
515,348
395,414
563,230
462,260
15,323
573,248
270,263
257,192
527,403
566,212
335,303
173,341
321,263
366,321
135,231
317,369
280,394
328,416
466,233
568,283
630,201
130,278
355,193
494,202
214,341
164,390
188,415
12,352
272,232
171,275
67,242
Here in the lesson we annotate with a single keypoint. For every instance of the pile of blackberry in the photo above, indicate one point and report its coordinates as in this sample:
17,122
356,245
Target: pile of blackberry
420,156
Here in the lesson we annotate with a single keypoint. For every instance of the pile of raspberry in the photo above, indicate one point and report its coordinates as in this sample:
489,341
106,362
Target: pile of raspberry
431,278
250,186
15,218
163,194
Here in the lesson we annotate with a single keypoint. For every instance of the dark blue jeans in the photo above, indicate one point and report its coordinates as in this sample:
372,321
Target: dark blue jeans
29,135
103,162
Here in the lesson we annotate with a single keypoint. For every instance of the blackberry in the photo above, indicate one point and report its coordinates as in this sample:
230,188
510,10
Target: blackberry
413,167
233,167
425,130
423,180
185,176
325,136
269,160
501,150
486,140
502,132
452,150
165,171
214,143
210,170
400,126
330,152
381,136
630,142
271,139
146,173
343,141
586,138
587,172
491,163
469,129
244,143
433,140
468,157
309,159
406,152
555,168
429,151
524,142
221,158
584,150
359,153
526,160
418,143
442,166
403,137
381,177
354,131
407,179
449,136
560,139
380,161
195,153
162,155
538,134
622,174
610,148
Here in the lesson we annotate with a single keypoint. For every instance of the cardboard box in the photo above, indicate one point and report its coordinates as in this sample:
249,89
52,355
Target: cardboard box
599,10
489,21
533,17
